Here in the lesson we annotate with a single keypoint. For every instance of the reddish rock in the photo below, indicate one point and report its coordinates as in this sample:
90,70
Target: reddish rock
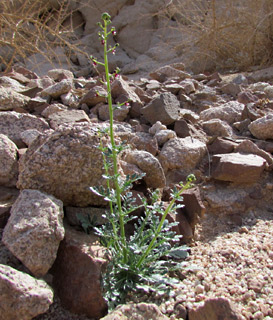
236,167
220,145
77,274
182,128
214,309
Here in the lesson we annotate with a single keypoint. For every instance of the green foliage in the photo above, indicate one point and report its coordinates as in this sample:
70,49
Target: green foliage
143,260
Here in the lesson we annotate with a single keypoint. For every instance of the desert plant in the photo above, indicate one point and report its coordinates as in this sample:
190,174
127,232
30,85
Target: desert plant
140,261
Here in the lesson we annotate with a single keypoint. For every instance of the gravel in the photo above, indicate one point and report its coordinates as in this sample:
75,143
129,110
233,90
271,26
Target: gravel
227,260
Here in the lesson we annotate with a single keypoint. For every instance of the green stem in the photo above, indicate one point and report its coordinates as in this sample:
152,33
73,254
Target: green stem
151,245
113,144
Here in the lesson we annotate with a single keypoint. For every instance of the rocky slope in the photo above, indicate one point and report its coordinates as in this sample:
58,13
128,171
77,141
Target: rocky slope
219,127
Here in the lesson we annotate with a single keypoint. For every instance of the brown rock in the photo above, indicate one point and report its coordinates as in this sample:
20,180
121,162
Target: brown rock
220,145
215,309
94,96
145,141
164,108
10,99
34,230
182,128
68,116
262,128
236,167
77,274
57,89
121,88
163,73
22,296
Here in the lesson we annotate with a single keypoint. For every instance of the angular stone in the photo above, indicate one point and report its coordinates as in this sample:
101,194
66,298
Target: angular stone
182,153
155,177
162,136
57,89
34,230
121,88
65,163
262,128
119,112
139,311
236,167
22,296
216,127
94,96
60,74
68,116
77,274
215,309
28,136
8,162
220,145
229,112
164,108
10,99
163,73
12,124
181,128
144,141
11,83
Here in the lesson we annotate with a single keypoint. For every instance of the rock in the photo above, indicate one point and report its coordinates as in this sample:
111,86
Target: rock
10,99
250,112
28,136
139,311
77,274
220,145
163,136
94,96
147,163
216,127
232,89
34,230
12,124
246,97
215,309
7,82
182,153
22,296
57,89
7,199
250,147
60,74
119,112
121,88
68,116
182,128
8,162
229,112
262,128
236,167
187,87
164,108
261,75
65,163
144,141
157,127
70,99
163,73
53,108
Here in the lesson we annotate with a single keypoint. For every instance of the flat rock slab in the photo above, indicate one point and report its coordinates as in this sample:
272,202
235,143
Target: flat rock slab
22,296
34,230
237,167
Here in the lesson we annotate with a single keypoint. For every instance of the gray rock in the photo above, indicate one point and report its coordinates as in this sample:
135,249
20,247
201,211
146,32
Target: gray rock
149,164
22,296
163,73
8,162
262,128
216,127
139,311
68,116
34,230
236,167
57,89
60,74
10,99
164,108
12,124
13,84
53,108
28,136
65,163
163,136
229,112
182,153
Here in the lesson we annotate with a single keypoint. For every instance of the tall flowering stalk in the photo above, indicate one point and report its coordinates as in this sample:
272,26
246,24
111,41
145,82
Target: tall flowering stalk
136,262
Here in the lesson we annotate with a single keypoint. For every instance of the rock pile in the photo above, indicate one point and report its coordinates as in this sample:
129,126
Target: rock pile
218,127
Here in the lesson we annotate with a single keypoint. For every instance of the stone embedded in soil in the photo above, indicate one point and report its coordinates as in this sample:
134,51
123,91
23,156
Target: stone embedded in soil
34,230
236,167
77,273
22,296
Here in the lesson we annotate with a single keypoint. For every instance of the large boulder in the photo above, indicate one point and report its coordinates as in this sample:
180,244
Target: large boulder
65,163
8,162
34,230
22,296
12,124
77,274
182,153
